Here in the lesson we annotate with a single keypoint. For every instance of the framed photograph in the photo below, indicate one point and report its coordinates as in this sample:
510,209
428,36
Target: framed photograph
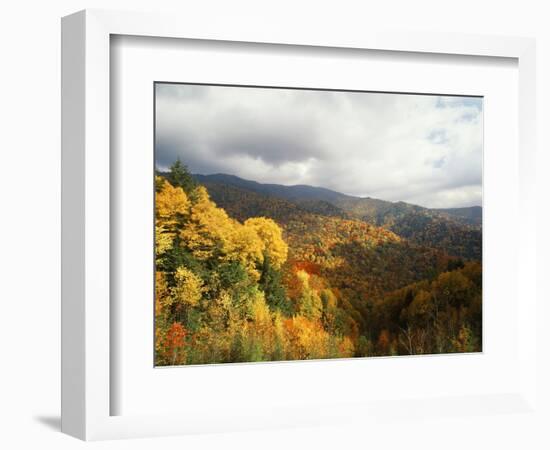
281,230
269,228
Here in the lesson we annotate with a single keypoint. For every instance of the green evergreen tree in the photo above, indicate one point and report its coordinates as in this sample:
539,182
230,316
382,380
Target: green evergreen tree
272,285
179,175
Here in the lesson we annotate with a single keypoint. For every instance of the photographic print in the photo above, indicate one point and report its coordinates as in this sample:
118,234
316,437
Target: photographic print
296,224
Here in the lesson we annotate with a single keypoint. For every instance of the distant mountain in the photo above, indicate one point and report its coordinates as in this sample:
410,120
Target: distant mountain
457,231
297,192
472,214
379,212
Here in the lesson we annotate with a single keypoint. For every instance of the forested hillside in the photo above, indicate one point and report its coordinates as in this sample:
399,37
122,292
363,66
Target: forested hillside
245,275
456,231
472,215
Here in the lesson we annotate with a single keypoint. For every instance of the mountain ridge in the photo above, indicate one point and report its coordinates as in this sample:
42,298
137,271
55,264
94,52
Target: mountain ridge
361,206
457,231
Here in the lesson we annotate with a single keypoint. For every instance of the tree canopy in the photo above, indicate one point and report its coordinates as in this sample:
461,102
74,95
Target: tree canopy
299,285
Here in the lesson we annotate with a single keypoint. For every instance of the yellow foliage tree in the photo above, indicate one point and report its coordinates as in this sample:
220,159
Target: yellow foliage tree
208,228
170,203
246,247
271,236
172,206
346,349
163,239
162,293
311,305
210,232
308,338
189,287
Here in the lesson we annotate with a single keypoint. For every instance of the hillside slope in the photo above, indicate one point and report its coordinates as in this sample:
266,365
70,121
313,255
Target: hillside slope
455,231
262,278
353,254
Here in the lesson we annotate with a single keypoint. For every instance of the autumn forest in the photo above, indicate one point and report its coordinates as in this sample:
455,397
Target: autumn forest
249,272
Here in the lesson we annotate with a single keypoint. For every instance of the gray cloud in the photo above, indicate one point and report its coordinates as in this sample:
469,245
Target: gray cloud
422,149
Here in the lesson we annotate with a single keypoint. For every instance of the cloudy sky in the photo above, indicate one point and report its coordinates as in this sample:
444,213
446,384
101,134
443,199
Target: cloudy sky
421,149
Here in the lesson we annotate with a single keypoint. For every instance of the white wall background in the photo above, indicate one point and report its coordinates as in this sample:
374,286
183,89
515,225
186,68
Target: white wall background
30,237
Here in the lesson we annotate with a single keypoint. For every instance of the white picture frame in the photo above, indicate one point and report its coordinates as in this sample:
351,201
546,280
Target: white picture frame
86,288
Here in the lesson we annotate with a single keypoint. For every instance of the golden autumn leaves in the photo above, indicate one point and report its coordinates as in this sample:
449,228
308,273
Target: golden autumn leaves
201,316
208,227
236,291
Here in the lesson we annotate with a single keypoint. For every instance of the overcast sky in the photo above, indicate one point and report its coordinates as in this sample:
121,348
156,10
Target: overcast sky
420,149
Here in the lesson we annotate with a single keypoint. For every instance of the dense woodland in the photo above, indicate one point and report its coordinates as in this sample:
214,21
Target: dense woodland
243,274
